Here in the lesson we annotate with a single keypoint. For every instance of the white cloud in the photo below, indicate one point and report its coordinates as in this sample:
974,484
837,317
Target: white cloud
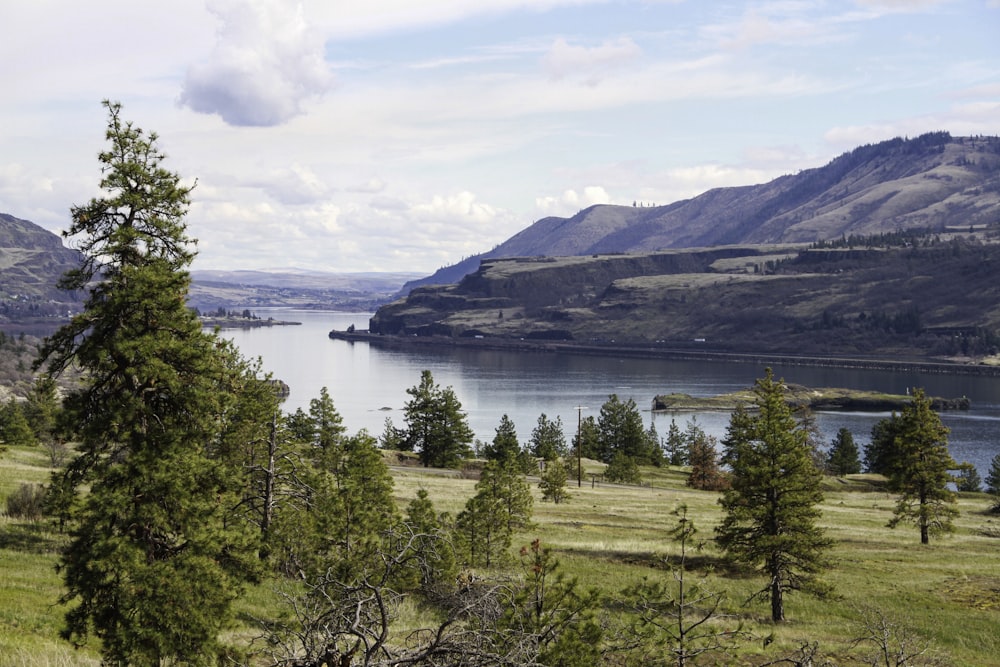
266,64
973,118
590,63
570,202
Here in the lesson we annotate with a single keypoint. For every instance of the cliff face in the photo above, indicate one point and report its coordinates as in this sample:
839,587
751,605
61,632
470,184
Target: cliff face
934,181
923,296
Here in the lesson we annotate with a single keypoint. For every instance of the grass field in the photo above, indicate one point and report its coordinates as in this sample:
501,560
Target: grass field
947,593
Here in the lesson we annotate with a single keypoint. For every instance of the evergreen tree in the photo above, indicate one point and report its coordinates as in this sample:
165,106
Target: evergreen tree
326,429
392,438
153,564
705,473
341,513
501,506
587,441
620,429
917,468
968,479
771,513
436,424
880,448
553,481
42,408
623,469
504,445
547,439
843,457
676,618
433,563
654,445
676,445
549,614
993,482
14,427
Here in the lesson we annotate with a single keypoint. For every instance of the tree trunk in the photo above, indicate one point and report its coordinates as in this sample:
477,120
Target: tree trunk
777,603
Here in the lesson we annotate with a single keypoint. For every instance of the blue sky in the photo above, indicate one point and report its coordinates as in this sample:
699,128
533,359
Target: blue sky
397,135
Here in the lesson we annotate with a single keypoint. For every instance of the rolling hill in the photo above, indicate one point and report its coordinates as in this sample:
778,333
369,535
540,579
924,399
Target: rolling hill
933,182
32,260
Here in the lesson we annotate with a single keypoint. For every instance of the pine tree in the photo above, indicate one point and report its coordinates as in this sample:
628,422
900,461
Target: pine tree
968,480
917,468
993,482
547,439
705,472
677,618
843,457
433,564
42,408
654,445
504,445
771,512
14,427
587,441
676,445
436,425
623,469
620,429
553,481
153,563
501,506
548,614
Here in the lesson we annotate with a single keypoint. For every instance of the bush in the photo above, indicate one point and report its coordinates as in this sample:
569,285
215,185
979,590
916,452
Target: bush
623,470
26,502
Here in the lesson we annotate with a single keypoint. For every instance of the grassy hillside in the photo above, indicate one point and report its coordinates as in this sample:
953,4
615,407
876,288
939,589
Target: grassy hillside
32,260
610,536
934,181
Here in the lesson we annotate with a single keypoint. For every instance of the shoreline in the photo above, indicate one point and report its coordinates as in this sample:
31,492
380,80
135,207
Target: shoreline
650,351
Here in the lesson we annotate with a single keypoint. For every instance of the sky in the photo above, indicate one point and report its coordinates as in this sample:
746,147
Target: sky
406,135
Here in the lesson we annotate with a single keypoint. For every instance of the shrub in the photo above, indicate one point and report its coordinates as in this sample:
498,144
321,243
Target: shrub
623,470
26,502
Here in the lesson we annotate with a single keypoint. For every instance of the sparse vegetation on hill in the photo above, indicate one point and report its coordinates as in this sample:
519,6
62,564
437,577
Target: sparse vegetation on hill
888,296
934,181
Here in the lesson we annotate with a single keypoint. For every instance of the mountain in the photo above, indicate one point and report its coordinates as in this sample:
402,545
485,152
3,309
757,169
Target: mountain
933,182
904,295
214,289
32,260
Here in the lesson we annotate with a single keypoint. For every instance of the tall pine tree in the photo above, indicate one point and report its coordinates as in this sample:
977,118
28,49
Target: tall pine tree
917,464
771,513
153,564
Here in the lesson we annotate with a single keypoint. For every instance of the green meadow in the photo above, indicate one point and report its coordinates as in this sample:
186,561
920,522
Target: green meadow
945,595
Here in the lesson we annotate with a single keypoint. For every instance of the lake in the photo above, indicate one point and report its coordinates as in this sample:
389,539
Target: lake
368,384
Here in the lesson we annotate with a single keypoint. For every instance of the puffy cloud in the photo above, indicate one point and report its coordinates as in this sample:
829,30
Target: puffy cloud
266,64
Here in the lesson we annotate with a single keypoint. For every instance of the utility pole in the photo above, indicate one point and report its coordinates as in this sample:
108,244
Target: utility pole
579,445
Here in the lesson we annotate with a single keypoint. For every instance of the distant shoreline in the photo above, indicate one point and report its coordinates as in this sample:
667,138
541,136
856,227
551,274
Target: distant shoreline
651,351
241,323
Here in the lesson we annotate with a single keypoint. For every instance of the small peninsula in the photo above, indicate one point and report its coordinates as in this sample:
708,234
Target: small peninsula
816,399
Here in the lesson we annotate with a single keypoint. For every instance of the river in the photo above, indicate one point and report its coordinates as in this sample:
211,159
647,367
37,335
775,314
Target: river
368,384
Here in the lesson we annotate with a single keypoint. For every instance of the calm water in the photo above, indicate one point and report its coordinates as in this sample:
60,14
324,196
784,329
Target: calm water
368,384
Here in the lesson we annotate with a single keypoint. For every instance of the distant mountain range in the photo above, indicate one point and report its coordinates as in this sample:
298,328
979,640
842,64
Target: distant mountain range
363,292
934,182
33,259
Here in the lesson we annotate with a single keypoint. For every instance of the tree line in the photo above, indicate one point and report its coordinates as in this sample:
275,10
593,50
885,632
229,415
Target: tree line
188,485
